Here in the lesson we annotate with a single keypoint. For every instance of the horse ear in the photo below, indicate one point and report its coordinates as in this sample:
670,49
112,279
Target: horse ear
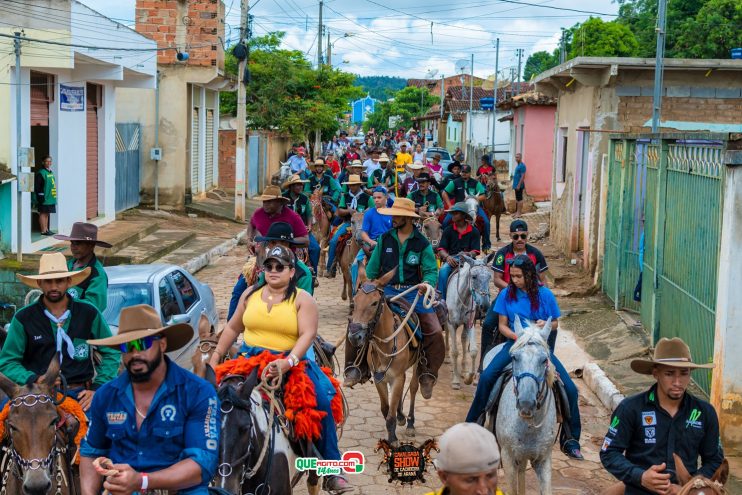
722,473
544,332
386,278
210,375
52,372
683,475
489,258
518,326
468,259
204,327
8,386
250,382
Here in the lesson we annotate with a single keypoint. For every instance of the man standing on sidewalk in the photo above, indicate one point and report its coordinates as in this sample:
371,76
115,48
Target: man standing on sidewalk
519,184
45,188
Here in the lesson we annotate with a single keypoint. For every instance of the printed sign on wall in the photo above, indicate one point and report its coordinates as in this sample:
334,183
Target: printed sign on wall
71,98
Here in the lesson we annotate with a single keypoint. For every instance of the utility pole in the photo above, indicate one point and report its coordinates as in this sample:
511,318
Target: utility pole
240,176
494,104
18,165
319,36
471,97
562,48
329,50
520,58
659,66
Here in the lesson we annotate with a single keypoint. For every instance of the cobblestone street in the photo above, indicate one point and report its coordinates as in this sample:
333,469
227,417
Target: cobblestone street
365,426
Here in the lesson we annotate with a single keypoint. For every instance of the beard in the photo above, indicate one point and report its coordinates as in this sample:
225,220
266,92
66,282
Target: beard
54,296
143,376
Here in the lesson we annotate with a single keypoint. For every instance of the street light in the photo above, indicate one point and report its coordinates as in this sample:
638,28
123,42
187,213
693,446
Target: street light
331,44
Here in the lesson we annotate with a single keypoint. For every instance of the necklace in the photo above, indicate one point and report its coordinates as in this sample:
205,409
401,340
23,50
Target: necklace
270,296
143,416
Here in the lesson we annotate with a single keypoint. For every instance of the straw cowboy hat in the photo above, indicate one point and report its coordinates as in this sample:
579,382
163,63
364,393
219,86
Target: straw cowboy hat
356,163
142,320
270,193
418,165
384,157
294,179
85,232
53,266
402,207
354,179
318,162
668,352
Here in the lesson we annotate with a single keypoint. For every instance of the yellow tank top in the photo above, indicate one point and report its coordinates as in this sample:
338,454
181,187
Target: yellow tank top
277,330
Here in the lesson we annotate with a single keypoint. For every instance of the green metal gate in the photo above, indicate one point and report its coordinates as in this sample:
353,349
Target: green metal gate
676,186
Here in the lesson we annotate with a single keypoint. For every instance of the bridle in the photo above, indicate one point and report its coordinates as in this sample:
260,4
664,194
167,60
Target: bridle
541,382
16,463
433,242
699,482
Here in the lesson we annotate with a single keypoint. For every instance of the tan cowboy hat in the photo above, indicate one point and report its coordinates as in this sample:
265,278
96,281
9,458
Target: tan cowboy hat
418,165
271,192
85,232
354,179
53,266
319,161
356,163
294,179
142,320
384,157
402,207
668,352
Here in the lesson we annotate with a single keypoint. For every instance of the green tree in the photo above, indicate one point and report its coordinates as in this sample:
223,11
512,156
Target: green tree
597,38
539,62
712,33
407,103
380,87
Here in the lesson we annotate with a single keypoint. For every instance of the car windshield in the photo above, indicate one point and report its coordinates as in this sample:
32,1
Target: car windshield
121,296
445,155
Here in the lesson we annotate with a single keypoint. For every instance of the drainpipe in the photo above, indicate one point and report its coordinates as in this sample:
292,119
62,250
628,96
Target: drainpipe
18,171
157,140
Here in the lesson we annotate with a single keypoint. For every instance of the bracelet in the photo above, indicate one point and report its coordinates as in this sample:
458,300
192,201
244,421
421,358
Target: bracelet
145,481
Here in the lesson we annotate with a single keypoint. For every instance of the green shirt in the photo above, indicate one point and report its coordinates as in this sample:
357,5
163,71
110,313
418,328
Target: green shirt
433,200
427,262
472,187
50,187
93,289
362,205
303,281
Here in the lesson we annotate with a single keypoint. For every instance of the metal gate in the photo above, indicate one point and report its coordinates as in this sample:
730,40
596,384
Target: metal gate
127,166
675,185
195,152
253,163
209,178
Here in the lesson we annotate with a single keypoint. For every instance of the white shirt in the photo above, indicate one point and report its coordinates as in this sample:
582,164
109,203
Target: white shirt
371,166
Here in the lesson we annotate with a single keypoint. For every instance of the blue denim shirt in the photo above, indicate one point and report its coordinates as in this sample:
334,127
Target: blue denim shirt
182,423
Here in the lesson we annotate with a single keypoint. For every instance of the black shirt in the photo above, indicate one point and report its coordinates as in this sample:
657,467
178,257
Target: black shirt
506,253
454,241
300,205
642,434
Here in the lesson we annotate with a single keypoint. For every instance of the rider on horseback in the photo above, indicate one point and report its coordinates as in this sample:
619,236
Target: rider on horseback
355,200
354,168
526,298
298,201
324,181
459,238
374,225
428,203
458,190
407,251
383,176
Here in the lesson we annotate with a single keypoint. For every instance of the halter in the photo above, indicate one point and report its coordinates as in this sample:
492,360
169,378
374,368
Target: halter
543,389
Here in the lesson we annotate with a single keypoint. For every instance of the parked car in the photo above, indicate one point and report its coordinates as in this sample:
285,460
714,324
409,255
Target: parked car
446,158
176,294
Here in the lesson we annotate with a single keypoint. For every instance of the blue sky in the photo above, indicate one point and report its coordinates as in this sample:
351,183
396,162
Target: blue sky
393,37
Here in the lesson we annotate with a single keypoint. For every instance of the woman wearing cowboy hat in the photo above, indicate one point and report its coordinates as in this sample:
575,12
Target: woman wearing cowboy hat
647,428
355,200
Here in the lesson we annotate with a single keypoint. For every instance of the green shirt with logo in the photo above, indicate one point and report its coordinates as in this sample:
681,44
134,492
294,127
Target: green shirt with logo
50,188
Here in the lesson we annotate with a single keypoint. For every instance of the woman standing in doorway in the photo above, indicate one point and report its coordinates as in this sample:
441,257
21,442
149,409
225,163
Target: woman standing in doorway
45,188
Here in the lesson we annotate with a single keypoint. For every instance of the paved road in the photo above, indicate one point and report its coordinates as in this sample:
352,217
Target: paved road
447,407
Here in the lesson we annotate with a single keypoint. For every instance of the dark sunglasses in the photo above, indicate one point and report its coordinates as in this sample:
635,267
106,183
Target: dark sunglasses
139,345
515,237
273,267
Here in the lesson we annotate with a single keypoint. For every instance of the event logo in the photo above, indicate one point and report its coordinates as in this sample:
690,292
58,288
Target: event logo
693,419
351,462
407,463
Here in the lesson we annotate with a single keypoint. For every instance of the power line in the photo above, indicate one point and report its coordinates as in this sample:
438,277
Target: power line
108,48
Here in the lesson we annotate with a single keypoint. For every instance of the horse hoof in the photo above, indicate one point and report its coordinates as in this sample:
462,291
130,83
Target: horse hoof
469,378
410,432
394,443
401,420
344,297
456,386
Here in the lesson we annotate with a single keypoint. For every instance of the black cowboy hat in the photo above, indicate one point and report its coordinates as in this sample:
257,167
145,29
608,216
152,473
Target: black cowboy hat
453,164
423,177
279,231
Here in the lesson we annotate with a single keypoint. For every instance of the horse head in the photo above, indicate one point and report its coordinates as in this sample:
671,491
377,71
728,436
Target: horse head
533,374
368,305
239,435
472,204
356,224
698,485
206,346
32,427
432,230
284,172
480,276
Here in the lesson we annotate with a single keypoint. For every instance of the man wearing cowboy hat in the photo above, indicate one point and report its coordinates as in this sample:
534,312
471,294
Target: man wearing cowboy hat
454,172
647,428
459,238
409,184
298,201
353,168
83,239
427,202
352,201
156,422
383,176
405,251
275,209
58,324
458,190
320,180
298,162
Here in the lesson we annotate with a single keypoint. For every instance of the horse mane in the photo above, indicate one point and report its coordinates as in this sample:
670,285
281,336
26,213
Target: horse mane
699,482
532,337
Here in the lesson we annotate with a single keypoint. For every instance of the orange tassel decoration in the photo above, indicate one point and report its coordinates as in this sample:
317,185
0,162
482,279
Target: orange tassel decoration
299,397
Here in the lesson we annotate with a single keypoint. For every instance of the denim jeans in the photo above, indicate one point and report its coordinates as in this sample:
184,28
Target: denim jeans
237,290
354,269
313,252
334,244
486,243
489,376
443,273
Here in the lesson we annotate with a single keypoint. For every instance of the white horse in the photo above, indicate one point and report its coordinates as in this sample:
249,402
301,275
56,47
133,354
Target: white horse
526,425
467,299
283,174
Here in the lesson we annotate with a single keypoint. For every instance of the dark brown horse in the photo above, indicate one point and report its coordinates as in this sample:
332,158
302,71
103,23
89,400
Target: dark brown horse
320,228
493,203
698,485
348,254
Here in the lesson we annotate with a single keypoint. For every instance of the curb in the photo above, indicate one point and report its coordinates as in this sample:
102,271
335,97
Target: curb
203,260
602,386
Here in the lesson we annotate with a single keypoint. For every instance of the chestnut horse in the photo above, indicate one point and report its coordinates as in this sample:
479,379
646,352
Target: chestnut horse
349,253
493,203
320,228
698,485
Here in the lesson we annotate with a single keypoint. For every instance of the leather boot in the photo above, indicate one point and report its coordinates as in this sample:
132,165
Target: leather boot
433,353
354,374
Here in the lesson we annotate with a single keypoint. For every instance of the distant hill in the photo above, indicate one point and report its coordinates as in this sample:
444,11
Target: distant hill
380,87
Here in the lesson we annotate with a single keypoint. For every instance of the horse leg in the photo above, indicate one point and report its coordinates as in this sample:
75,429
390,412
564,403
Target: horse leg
383,389
497,228
312,483
522,478
543,473
397,388
511,471
414,385
471,347
447,359
456,378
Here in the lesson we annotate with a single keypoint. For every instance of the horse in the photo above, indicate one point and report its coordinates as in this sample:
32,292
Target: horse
431,229
390,355
472,204
206,347
698,485
255,453
283,174
348,254
526,425
37,458
467,299
493,204
320,228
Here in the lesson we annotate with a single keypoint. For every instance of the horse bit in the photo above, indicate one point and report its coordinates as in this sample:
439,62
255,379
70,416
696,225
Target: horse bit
18,461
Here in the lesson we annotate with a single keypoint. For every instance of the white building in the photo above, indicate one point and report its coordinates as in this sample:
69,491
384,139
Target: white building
67,108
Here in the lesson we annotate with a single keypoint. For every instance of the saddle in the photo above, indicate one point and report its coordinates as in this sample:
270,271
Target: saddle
343,241
400,307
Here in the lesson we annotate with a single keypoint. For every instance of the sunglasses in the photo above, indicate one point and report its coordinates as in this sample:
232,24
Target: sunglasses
515,237
273,267
139,345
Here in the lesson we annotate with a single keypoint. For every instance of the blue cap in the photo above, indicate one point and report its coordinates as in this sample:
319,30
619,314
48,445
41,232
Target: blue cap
380,189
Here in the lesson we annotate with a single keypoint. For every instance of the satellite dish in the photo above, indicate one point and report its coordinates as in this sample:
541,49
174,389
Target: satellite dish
431,74
463,66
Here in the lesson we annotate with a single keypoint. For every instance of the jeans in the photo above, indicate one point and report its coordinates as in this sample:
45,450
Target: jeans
489,376
443,273
486,243
237,291
334,244
313,252
354,269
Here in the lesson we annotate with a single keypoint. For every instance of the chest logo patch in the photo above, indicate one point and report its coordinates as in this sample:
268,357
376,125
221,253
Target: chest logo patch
649,418
168,412
693,419
82,351
116,418
499,259
72,291
389,250
413,259
606,444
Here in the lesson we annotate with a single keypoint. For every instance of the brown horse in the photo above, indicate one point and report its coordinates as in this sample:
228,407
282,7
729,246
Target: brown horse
431,229
698,485
349,253
493,203
375,327
320,228
206,347
36,460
